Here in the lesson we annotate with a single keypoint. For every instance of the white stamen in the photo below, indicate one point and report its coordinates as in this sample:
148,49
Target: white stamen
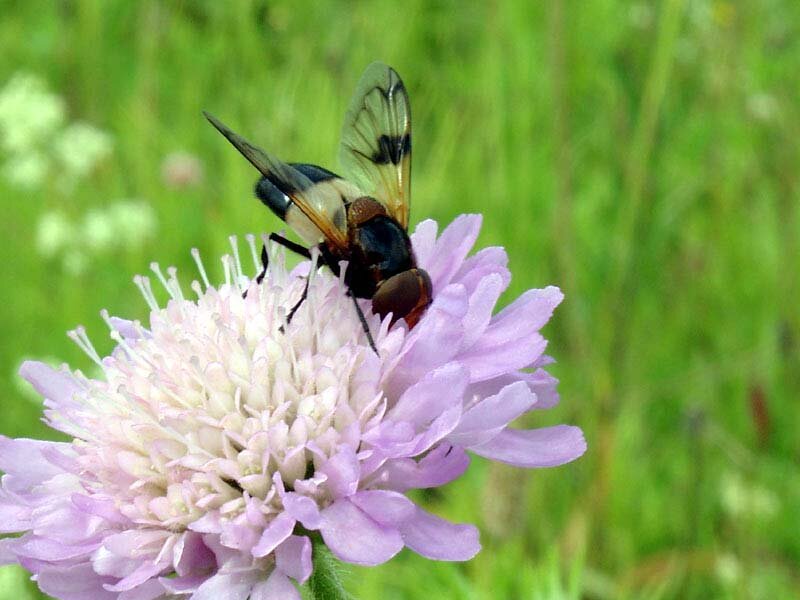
155,268
237,264
226,266
143,283
251,243
175,283
201,269
78,335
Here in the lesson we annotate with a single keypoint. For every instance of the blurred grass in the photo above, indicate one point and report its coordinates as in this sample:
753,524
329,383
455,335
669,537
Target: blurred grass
643,156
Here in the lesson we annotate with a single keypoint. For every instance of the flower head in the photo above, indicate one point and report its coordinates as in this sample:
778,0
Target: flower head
220,436
29,113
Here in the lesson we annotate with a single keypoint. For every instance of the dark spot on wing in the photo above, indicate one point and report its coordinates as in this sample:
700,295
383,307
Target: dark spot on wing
391,149
396,86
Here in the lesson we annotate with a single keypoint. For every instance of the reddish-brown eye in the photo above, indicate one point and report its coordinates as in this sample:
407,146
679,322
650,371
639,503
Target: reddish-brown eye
405,295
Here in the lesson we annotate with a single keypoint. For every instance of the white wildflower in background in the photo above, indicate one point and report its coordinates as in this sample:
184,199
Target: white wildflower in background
29,113
181,170
122,226
26,171
54,232
98,230
81,147
134,222
36,141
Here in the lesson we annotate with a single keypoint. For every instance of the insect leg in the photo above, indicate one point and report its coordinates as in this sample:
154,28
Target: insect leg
279,239
299,302
290,245
363,320
297,249
264,262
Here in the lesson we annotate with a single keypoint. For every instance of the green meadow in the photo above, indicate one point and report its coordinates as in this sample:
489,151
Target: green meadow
643,156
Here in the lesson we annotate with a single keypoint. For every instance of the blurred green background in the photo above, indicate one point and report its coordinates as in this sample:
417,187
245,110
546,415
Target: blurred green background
644,156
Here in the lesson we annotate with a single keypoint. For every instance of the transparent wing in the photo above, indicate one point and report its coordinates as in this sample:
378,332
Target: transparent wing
375,150
321,207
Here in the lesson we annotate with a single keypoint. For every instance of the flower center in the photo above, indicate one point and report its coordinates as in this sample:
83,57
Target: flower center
221,394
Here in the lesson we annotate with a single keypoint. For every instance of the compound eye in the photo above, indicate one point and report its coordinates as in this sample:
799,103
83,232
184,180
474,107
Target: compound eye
405,295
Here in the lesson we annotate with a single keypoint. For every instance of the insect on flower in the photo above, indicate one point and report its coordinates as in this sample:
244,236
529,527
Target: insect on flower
363,221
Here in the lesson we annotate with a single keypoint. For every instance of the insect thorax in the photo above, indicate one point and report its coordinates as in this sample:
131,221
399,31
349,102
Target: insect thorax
380,249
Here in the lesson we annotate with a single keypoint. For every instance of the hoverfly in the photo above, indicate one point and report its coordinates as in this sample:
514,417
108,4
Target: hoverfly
363,221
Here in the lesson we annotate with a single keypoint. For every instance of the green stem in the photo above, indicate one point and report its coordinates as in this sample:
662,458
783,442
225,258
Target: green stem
325,582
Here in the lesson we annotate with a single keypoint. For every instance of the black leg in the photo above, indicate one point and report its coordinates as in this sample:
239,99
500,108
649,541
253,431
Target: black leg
306,253
290,245
299,302
363,320
264,262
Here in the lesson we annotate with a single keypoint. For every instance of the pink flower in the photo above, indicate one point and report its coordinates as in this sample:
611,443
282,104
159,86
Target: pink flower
217,439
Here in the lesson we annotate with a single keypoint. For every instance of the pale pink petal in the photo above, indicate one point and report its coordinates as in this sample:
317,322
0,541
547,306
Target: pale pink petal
293,557
98,506
441,465
544,386
343,472
183,585
278,530
192,555
149,590
303,509
489,416
24,462
531,311
451,249
488,362
129,329
546,447
73,582
432,343
438,539
427,399
142,573
15,516
227,586
50,550
58,386
276,587
401,445
481,304
437,430
384,507
134,542
423,240
355,538
487,261
540,382
66,523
